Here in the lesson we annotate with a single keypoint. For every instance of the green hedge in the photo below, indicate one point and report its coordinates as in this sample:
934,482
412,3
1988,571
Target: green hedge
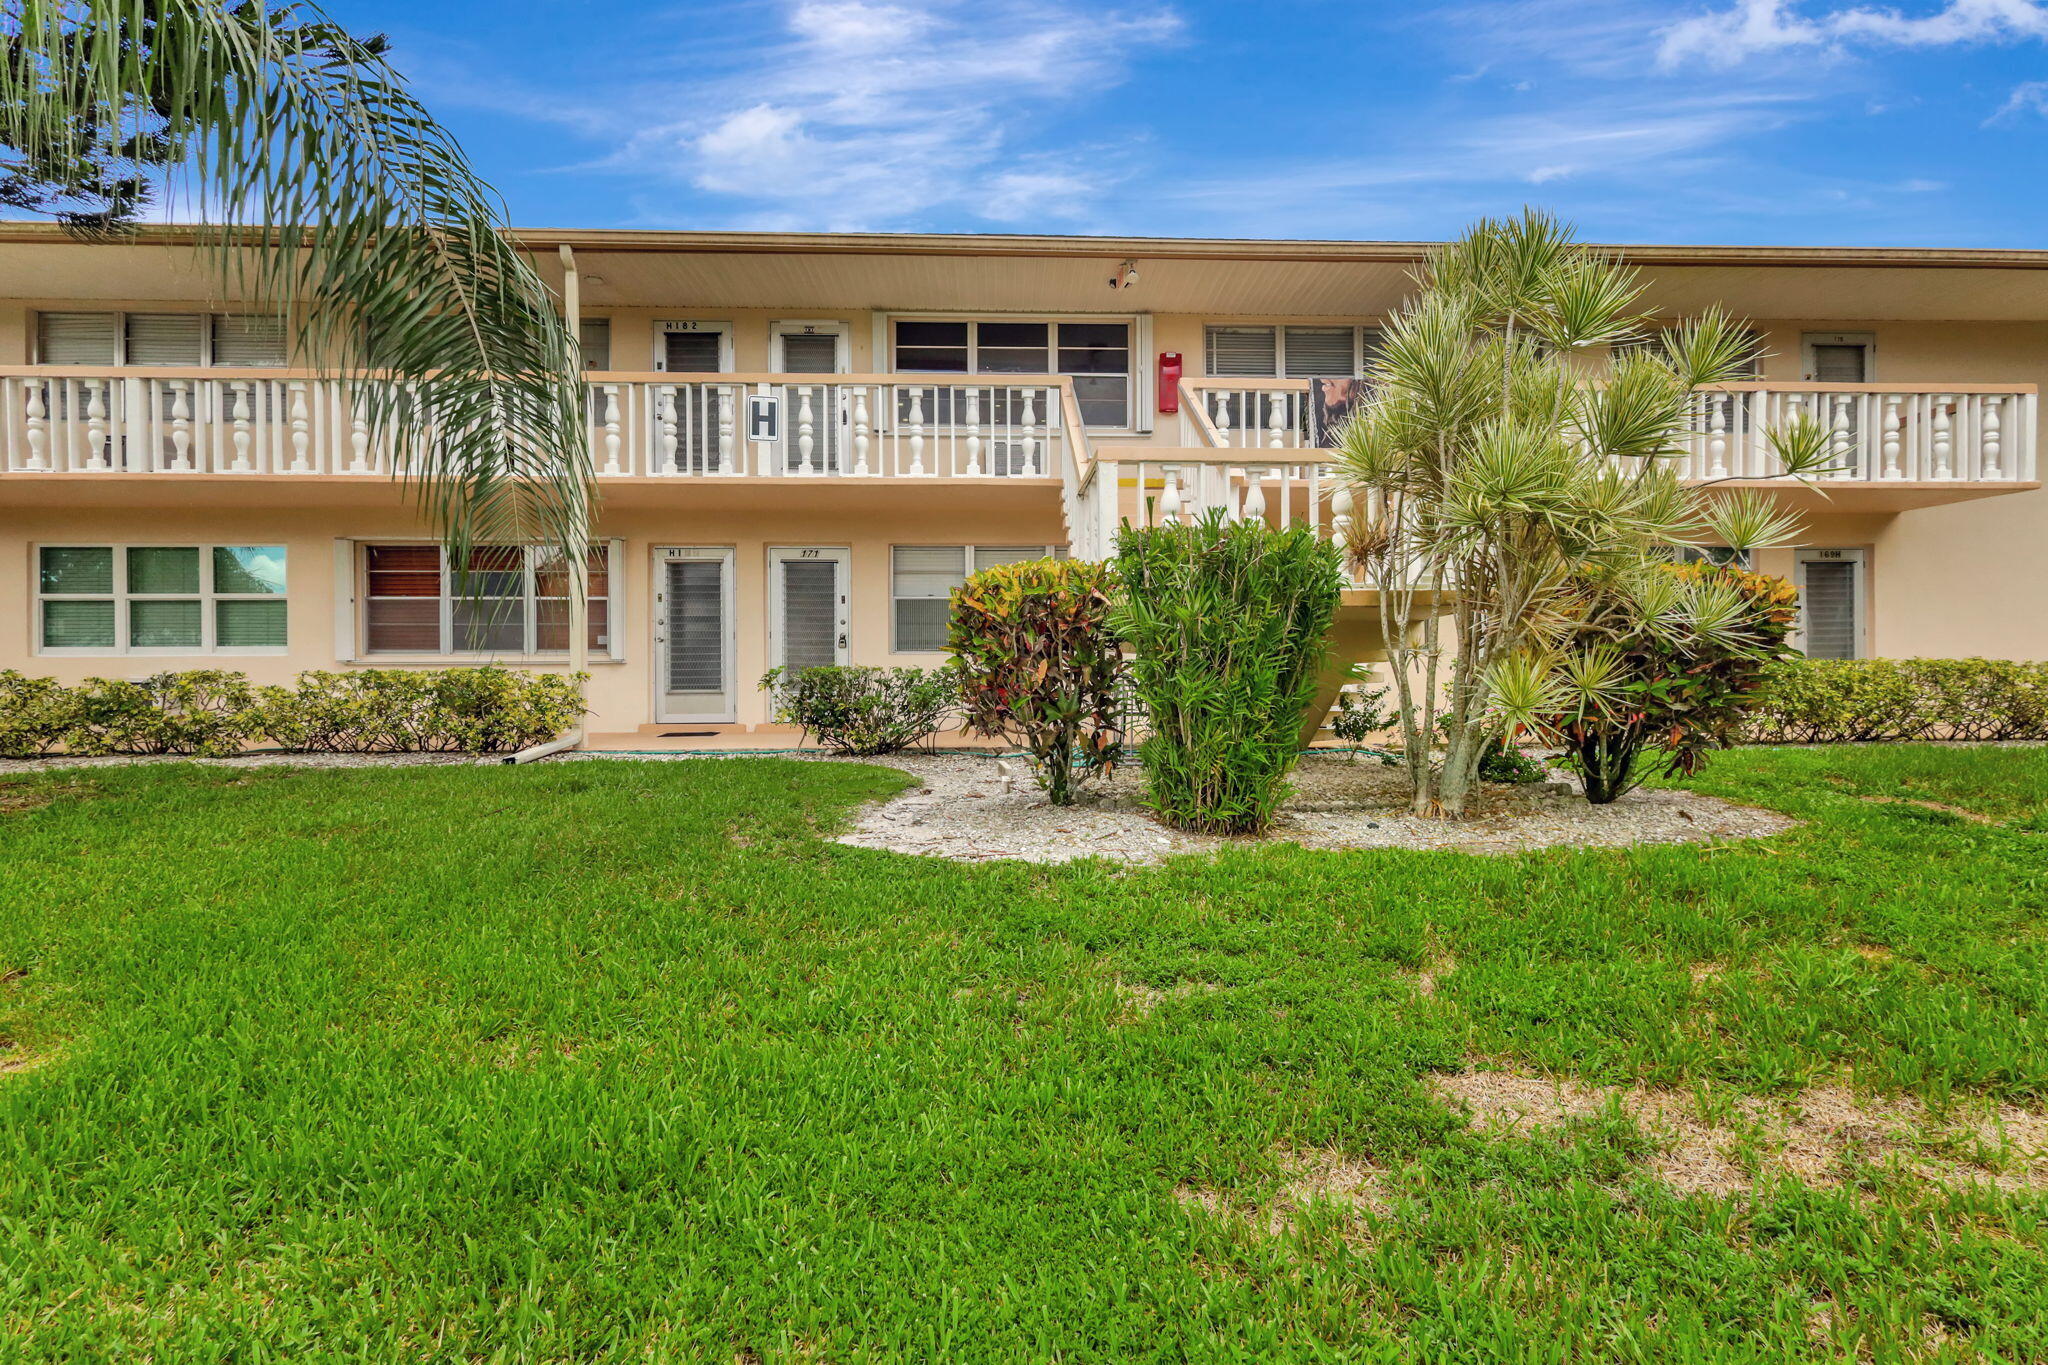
1839,701
214,713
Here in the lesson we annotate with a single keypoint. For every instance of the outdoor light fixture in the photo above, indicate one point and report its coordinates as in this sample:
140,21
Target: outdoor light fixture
1126,276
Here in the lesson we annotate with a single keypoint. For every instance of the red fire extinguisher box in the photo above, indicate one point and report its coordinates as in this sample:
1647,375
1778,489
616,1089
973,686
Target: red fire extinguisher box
1169,381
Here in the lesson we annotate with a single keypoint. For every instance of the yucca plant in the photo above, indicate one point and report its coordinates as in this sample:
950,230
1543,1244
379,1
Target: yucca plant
332,197
1518,455
1228,624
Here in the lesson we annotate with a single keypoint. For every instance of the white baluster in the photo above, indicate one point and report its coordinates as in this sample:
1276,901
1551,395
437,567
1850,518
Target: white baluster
725,420
1169,496
1717,436
614,436
973,433
1276,419
806,425
916,425
36,409
240,401
1991,435
1029,417
358,441
1219,410
180,394
861,425
1893,440
1944,432
96,424
665,429
1340,513
1255,495
1842,419
302,429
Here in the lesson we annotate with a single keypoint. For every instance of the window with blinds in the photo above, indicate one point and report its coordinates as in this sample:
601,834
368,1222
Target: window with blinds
810,352
503,599
161,599
169,339
921,583
594,338
1289,352
1096,354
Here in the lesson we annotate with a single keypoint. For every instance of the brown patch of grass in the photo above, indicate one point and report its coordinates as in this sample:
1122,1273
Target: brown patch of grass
1818,1137
19,797
1139,999
14,1059
1432,972
1315,1175
1960,812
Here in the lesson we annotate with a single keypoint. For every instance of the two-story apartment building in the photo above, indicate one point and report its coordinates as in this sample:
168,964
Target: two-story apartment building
173,493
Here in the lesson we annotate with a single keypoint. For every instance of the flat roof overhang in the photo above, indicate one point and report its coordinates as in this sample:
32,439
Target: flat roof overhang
1008,273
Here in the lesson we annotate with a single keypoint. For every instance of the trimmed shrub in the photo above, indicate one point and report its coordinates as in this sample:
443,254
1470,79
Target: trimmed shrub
1039,665
854,710
1839,701
35,714
1362,712
208,712
1229,627
437,710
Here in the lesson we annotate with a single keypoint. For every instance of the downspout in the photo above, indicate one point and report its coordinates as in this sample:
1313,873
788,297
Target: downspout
579,566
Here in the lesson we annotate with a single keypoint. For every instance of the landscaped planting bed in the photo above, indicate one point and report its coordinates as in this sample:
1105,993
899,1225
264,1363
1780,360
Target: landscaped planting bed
624,1061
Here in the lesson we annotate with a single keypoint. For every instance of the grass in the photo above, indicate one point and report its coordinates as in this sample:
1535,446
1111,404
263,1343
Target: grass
622,1062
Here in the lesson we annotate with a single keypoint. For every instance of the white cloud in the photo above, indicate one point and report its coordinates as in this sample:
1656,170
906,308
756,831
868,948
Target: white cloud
2028,97
853,114
1755,28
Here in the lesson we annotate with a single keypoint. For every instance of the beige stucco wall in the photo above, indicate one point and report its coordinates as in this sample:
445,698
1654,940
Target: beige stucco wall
321,581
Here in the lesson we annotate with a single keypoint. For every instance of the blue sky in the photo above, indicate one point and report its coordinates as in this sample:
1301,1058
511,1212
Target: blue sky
1699,121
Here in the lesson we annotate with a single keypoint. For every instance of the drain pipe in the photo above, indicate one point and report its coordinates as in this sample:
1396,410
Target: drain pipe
579,574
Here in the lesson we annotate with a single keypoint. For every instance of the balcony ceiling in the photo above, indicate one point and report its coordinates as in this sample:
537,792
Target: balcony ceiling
1067,274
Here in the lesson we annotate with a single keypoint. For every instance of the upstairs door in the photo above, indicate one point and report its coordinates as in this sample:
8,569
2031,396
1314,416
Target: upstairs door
697,348
1839,357
815,417
808,621
693,634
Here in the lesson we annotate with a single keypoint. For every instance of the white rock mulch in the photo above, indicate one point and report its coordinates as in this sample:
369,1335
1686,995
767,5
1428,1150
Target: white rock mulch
961,811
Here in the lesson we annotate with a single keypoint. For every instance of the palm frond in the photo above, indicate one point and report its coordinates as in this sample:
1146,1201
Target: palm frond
335,199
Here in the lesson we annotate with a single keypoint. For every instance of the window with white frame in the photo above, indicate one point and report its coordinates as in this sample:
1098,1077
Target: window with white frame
1095,352
504,599
160,599
185,339
921,583
1308,351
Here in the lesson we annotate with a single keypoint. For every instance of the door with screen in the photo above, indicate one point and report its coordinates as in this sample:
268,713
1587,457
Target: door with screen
691,349
808,624
693,634
819,411
1831,604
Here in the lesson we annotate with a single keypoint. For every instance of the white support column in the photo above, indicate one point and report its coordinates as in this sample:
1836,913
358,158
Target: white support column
725,428
179,391
973,420
35,409
301,427
241,405
1944,437
666,436
1276,419
96,455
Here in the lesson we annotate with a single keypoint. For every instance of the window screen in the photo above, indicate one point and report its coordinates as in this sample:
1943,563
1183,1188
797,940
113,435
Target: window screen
922,580
185,599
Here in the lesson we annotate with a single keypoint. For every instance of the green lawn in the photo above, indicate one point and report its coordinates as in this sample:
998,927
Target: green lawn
620,1061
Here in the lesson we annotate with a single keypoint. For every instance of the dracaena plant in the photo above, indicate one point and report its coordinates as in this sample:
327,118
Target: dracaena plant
1505,469
329,195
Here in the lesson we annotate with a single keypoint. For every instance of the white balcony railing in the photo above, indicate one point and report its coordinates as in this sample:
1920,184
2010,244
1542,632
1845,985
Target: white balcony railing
124,421
1882,432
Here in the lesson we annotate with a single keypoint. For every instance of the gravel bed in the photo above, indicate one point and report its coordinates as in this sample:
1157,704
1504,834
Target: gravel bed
961,811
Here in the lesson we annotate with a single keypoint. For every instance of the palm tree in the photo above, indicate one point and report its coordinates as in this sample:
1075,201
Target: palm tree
1490,467
332,197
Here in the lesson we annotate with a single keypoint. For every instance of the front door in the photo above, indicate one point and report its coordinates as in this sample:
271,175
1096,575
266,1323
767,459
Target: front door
1831,604
808,625
693,634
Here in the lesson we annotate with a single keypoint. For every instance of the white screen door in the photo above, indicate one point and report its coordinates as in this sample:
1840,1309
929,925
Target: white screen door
809,348
1831,610
693,634
808,624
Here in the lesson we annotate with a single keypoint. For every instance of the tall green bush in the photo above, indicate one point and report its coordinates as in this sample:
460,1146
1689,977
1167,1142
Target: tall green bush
1842,701
1228,625
1039,665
